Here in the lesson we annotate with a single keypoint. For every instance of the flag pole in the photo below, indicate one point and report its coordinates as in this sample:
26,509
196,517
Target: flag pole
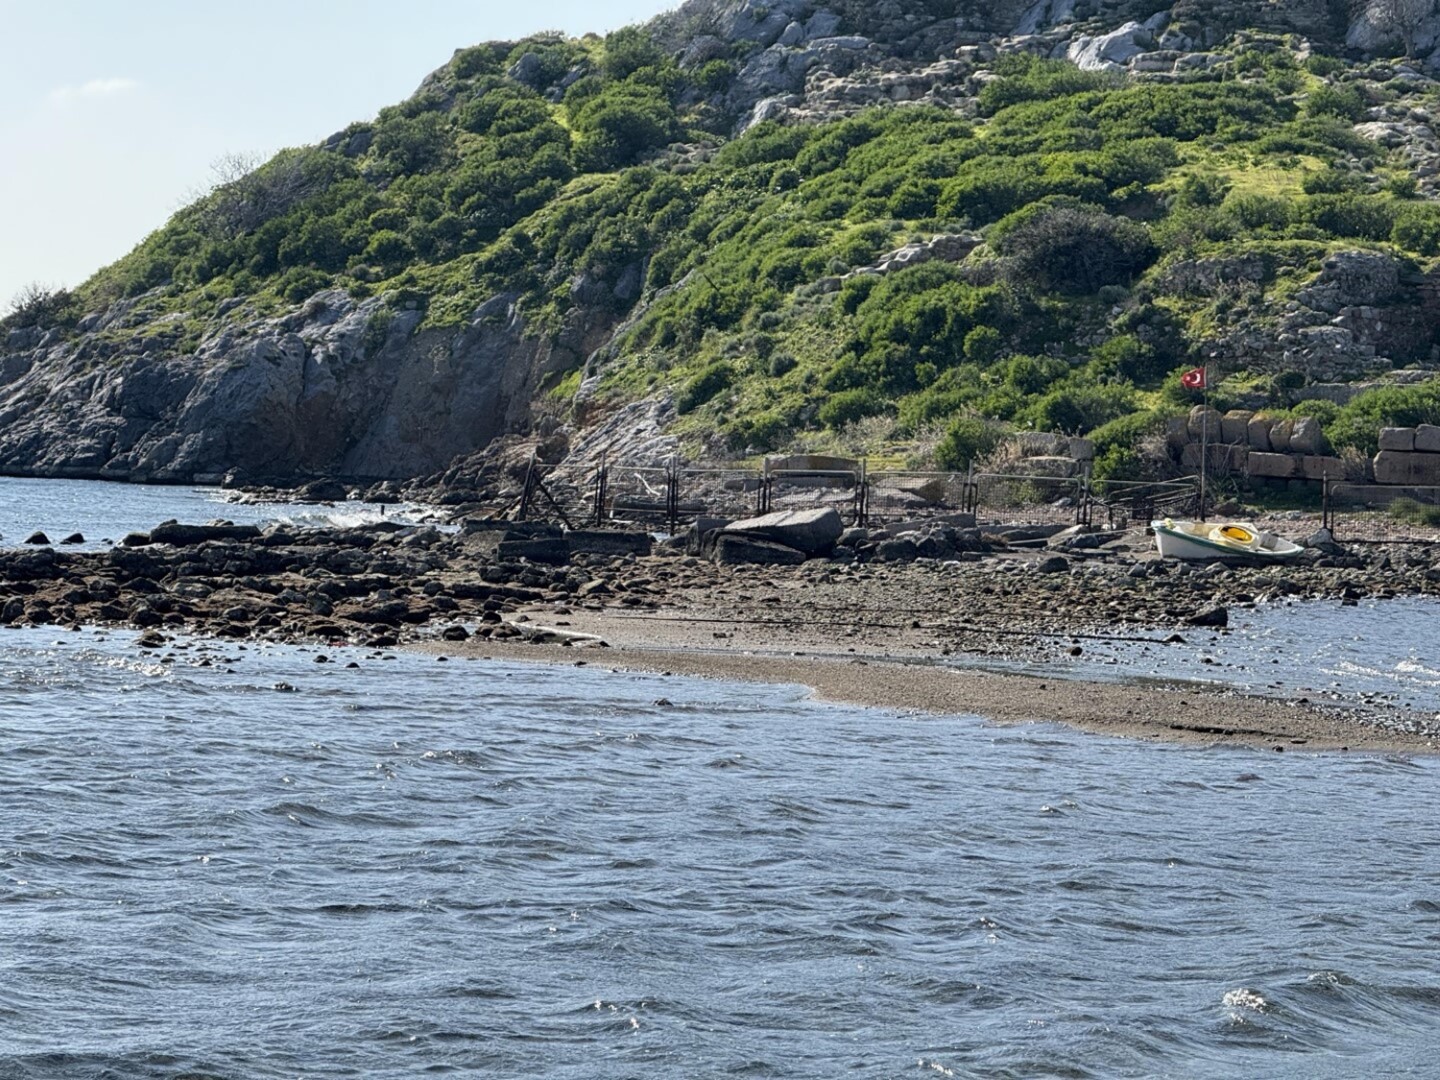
1204,433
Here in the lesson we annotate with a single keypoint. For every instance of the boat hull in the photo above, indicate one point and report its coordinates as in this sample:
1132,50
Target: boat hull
1202,541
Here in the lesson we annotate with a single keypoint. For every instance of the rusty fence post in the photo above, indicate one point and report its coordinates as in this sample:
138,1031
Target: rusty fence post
602,490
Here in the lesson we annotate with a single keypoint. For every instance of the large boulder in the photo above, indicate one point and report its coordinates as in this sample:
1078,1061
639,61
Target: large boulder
178,535
733,549
1306,436
1110,52
814,532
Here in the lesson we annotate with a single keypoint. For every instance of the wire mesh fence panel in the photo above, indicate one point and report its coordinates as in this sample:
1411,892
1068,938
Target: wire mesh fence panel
1029,500
1118,503
815,489
634,496
908,496
559,494
723,493
1369,513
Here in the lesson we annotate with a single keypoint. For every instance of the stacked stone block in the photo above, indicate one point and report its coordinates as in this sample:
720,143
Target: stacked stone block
1409,456
1252,444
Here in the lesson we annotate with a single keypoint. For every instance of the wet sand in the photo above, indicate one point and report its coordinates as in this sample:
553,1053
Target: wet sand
896,674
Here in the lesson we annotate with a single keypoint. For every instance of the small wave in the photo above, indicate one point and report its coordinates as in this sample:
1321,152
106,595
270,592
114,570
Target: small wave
1244,998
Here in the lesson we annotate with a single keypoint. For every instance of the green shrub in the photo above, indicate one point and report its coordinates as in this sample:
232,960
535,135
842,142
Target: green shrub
1128,358
1028,78
1077,251
1360,217
967,440
1077,409
1357,425
1345,102
850,405
1255,212
711,381
1331,181
1417,229
624,121
781,363
982,345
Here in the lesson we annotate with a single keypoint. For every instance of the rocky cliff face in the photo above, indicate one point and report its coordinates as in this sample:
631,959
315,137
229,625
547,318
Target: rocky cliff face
359,388
334,387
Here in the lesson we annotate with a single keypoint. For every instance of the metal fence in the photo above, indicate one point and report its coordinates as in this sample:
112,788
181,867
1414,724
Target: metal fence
670,497
1375,514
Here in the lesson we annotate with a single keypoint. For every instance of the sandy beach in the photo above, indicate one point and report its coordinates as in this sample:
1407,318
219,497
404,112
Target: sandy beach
900,669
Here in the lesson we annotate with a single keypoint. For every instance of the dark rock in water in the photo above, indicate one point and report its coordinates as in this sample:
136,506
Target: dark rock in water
177,535
455,633
144,617
13,610
386,613
152,640
1210,616
1055,564
135,539
732,549
38,538
74,538
324,491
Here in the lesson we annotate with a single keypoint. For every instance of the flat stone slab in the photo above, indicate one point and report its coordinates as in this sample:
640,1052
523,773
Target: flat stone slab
1398,467
733,549
1270,466
813,532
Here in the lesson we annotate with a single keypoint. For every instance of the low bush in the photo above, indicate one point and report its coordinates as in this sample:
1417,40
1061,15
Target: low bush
967,440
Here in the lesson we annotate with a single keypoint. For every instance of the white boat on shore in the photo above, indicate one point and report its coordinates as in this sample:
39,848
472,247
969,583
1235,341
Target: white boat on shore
1220,540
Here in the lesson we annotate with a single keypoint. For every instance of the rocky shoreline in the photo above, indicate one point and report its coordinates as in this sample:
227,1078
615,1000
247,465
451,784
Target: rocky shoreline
532,591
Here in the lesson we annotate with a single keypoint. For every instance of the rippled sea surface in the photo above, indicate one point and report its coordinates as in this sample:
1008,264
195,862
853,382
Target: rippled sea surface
243,863
1378,651
103,512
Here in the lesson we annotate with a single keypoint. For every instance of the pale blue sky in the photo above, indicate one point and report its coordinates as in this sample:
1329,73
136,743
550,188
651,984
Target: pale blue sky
113,111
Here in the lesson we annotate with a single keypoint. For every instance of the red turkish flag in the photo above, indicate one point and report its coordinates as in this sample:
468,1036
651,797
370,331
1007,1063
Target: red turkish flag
1193,380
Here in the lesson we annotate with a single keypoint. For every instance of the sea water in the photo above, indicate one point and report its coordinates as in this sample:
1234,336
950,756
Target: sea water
104,511
225,860
228,860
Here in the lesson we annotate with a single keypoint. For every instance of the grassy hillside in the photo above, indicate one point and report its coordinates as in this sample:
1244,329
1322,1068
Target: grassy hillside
597,173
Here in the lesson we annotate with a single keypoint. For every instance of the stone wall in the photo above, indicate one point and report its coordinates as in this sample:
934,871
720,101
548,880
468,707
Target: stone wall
1253,445
1409,456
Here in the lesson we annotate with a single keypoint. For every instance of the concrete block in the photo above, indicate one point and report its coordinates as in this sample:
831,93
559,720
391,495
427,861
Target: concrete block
1398,438
1235,426
1306,436
1398,467
1318,467
607,542
1427,439
1271,466
1082,449
1258,433
811,463
1280,432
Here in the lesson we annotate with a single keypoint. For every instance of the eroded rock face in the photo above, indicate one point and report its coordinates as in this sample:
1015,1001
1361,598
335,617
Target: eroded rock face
338,386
